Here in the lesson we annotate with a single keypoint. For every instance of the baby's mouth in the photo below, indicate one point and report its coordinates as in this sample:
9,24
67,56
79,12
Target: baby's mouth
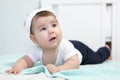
53,38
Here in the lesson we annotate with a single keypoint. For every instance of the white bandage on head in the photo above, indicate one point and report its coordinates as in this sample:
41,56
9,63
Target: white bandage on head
30,17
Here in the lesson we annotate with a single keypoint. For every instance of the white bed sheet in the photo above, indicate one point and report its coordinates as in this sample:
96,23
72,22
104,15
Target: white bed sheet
40,76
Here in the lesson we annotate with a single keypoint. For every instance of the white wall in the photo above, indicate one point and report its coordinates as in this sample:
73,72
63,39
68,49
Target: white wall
12,32
116,34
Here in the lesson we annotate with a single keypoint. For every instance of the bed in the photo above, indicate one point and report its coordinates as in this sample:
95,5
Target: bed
108,70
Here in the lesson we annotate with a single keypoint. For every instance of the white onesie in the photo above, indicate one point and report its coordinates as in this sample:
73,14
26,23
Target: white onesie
66,50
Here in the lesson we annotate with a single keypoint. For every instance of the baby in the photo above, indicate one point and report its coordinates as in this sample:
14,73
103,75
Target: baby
53,51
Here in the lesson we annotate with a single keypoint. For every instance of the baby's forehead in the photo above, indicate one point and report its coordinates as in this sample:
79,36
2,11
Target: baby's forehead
44,20
40,16
44,14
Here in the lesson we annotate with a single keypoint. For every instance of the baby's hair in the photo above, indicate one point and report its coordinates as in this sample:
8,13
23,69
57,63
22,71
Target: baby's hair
44,13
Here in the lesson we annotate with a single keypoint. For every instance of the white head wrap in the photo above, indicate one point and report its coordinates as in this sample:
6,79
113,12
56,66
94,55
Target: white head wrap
30,17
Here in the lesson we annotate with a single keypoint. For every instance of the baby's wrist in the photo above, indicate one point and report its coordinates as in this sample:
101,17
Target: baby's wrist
59,68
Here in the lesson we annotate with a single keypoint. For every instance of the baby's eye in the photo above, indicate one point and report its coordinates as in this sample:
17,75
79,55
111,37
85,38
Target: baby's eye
43,29
54,25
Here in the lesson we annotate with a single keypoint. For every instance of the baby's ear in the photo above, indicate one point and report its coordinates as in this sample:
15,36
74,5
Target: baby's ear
32,37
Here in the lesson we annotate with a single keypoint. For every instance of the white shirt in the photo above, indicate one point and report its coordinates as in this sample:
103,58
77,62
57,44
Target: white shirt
66,50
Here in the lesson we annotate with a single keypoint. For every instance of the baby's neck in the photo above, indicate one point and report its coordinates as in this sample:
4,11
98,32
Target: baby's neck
50,51
49,56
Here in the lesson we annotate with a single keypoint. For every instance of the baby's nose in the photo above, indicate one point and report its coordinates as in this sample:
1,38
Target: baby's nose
51,30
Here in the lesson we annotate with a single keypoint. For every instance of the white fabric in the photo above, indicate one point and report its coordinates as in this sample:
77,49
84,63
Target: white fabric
66,50
31,15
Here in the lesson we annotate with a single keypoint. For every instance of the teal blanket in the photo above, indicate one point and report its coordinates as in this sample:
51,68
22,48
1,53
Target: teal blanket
109,70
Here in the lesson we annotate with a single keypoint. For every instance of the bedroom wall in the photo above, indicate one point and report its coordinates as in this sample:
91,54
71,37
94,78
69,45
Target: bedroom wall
116,34
13,37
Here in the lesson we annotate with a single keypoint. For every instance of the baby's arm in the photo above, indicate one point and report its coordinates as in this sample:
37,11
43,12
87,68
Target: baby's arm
71,63
21,64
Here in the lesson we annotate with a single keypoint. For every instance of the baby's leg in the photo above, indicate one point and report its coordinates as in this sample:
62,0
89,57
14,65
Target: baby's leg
89,56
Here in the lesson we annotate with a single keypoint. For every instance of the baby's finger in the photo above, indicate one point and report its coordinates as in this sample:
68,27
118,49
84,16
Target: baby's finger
9,71
12,71
15,72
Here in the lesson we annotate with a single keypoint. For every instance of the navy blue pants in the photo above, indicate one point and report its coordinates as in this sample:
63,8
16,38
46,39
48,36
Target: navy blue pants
89,56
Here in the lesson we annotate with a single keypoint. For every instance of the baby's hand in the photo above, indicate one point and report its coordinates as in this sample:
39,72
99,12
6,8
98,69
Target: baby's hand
14,71
52,68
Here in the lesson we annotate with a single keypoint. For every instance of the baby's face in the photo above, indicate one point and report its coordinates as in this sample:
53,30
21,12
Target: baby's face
47,32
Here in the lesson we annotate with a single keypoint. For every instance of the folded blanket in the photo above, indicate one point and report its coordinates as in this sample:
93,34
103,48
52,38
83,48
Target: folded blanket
109,70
